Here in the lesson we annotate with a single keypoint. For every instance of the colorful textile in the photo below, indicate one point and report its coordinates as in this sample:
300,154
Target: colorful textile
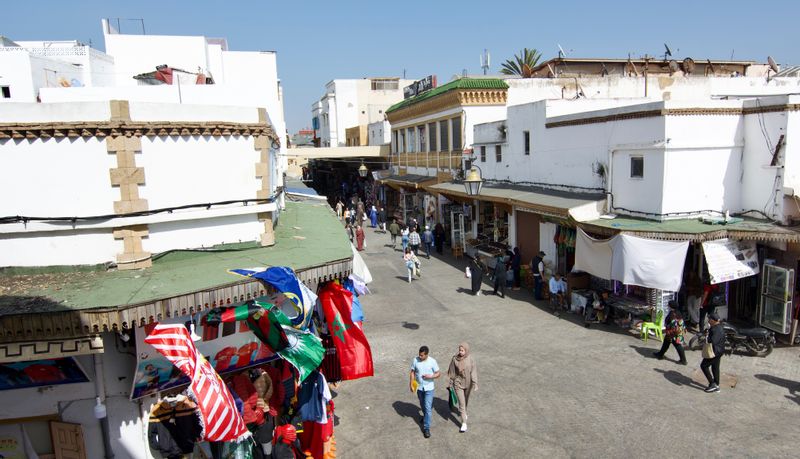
221,421
352,347
283,279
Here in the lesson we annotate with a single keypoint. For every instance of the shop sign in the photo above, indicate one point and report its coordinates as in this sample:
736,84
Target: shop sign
419,86
228,347
730,260
14,442
47,372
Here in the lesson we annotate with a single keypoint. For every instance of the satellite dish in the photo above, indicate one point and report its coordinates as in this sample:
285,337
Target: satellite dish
688,66
772,65
668,52
673,66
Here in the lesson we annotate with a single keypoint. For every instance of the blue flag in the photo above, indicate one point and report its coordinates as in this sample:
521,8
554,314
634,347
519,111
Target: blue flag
283,279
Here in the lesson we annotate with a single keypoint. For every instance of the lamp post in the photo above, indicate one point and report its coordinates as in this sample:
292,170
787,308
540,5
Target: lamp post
473,182
362,170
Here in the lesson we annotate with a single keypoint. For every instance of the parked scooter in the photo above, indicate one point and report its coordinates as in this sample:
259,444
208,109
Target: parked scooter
758,341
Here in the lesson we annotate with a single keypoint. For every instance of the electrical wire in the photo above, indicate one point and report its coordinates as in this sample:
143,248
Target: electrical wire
26,219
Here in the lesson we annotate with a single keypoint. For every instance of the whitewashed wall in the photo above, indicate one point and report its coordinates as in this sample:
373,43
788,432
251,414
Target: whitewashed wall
70,177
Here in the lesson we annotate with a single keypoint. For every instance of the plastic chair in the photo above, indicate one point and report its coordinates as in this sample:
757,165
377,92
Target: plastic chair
655,326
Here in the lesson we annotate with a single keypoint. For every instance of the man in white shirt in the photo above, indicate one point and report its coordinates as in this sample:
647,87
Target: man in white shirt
424,370
558,292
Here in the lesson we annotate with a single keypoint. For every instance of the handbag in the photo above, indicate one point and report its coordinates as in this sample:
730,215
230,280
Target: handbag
708,351
453,399
467,273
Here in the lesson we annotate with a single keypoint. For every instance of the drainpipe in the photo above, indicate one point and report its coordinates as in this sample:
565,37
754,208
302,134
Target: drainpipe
100,409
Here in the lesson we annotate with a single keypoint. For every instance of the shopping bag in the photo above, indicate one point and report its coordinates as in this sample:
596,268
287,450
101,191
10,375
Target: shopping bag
453,399
414,385
708,351
467,273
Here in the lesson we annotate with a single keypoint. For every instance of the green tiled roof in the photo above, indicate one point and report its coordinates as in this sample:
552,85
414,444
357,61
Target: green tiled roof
461,83
308,235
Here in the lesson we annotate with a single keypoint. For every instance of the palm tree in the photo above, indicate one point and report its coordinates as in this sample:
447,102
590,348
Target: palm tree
522,64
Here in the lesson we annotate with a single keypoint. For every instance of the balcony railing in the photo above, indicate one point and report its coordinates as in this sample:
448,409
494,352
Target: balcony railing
439,160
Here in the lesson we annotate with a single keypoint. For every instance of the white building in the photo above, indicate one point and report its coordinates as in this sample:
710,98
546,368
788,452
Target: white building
379,133
349,103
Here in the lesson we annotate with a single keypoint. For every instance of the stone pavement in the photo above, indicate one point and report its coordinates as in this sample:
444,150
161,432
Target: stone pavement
548,387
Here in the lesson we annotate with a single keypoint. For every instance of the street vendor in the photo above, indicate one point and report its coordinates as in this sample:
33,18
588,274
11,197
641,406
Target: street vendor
600,311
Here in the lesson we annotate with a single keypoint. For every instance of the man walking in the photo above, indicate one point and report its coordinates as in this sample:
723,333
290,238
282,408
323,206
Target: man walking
716,336
414,241
394,230
537,268
500,276
427,239
382,220
424,370
339,207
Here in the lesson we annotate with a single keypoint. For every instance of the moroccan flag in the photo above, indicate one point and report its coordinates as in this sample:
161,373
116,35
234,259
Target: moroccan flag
351,344
271,326
284,280
221,421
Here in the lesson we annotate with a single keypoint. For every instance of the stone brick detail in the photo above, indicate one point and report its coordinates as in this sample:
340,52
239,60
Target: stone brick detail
127,177
262,144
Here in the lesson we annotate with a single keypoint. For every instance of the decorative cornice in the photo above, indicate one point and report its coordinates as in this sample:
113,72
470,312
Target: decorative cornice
697,111
448,100
103,129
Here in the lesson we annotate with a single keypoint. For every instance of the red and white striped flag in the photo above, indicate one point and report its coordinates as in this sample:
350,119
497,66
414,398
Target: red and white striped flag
221,421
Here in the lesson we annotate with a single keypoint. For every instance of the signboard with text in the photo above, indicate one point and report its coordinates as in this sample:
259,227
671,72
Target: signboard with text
729,260
419,86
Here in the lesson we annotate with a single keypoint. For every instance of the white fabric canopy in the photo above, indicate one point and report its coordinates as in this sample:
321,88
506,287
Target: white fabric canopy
632,260
360,268
592,255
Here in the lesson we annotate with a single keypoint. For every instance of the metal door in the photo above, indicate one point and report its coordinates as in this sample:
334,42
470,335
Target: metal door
67,440
775,312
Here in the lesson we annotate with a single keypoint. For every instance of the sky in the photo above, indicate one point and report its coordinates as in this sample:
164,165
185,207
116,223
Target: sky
318,41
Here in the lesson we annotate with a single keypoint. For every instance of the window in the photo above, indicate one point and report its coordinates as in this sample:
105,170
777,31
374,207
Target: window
637,167
432,136
456,134
498,153
483,153
402,145
421,136
527,142
384,85
412,140
6,91
395,148
444,134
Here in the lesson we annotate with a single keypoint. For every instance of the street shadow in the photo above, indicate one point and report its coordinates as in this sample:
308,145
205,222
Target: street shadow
644,351
402,278
411,326
464,290
408,410
792,386
442,408
679,379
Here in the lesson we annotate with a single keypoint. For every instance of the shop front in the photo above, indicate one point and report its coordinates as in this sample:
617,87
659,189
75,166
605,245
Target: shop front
407,198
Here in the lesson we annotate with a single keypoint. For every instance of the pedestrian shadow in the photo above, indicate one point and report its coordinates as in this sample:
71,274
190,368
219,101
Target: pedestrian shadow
408,410
442,408
464,290
679,379
792,386
644,351
411,325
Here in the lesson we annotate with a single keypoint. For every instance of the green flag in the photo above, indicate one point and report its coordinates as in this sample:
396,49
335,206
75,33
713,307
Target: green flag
304,351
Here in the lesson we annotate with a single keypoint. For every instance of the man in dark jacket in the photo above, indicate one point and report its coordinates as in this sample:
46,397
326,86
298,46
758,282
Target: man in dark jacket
716,336
500,276
537,268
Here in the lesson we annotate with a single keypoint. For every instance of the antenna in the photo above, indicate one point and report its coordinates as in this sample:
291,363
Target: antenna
561,53
485,61
667,52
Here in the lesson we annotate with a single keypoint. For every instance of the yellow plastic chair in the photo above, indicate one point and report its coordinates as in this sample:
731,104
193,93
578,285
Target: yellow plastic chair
655,326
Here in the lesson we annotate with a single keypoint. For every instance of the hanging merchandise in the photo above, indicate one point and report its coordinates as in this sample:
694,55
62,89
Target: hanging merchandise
317,439
174,426
218,413
352,347
300,348
331,367
283,279
358,313
313,397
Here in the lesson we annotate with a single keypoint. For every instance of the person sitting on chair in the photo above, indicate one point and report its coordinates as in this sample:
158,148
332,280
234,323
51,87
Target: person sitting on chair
600,310
558,292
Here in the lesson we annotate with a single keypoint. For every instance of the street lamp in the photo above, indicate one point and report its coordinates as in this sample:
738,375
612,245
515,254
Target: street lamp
362,170
473,183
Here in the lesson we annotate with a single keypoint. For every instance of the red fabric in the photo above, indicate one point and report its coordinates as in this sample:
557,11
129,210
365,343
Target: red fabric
221,421
352,347
330,366
164,74
247,392
278,392
286,433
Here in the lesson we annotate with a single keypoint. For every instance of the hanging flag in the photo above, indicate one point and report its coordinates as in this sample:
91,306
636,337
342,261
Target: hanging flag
300,348
221,421
352,347
283,279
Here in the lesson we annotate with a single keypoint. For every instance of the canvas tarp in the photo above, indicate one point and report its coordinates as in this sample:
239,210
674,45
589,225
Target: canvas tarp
633,260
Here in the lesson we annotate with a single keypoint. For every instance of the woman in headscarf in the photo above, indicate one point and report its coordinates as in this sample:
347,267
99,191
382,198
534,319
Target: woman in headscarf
373,217
360,238
476,268
463,378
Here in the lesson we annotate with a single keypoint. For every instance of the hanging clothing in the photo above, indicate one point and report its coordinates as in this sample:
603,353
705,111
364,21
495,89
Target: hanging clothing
174,427
330,367
316,439
313,398
245,389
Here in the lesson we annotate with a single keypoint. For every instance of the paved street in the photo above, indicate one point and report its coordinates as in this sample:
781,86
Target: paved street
548,387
